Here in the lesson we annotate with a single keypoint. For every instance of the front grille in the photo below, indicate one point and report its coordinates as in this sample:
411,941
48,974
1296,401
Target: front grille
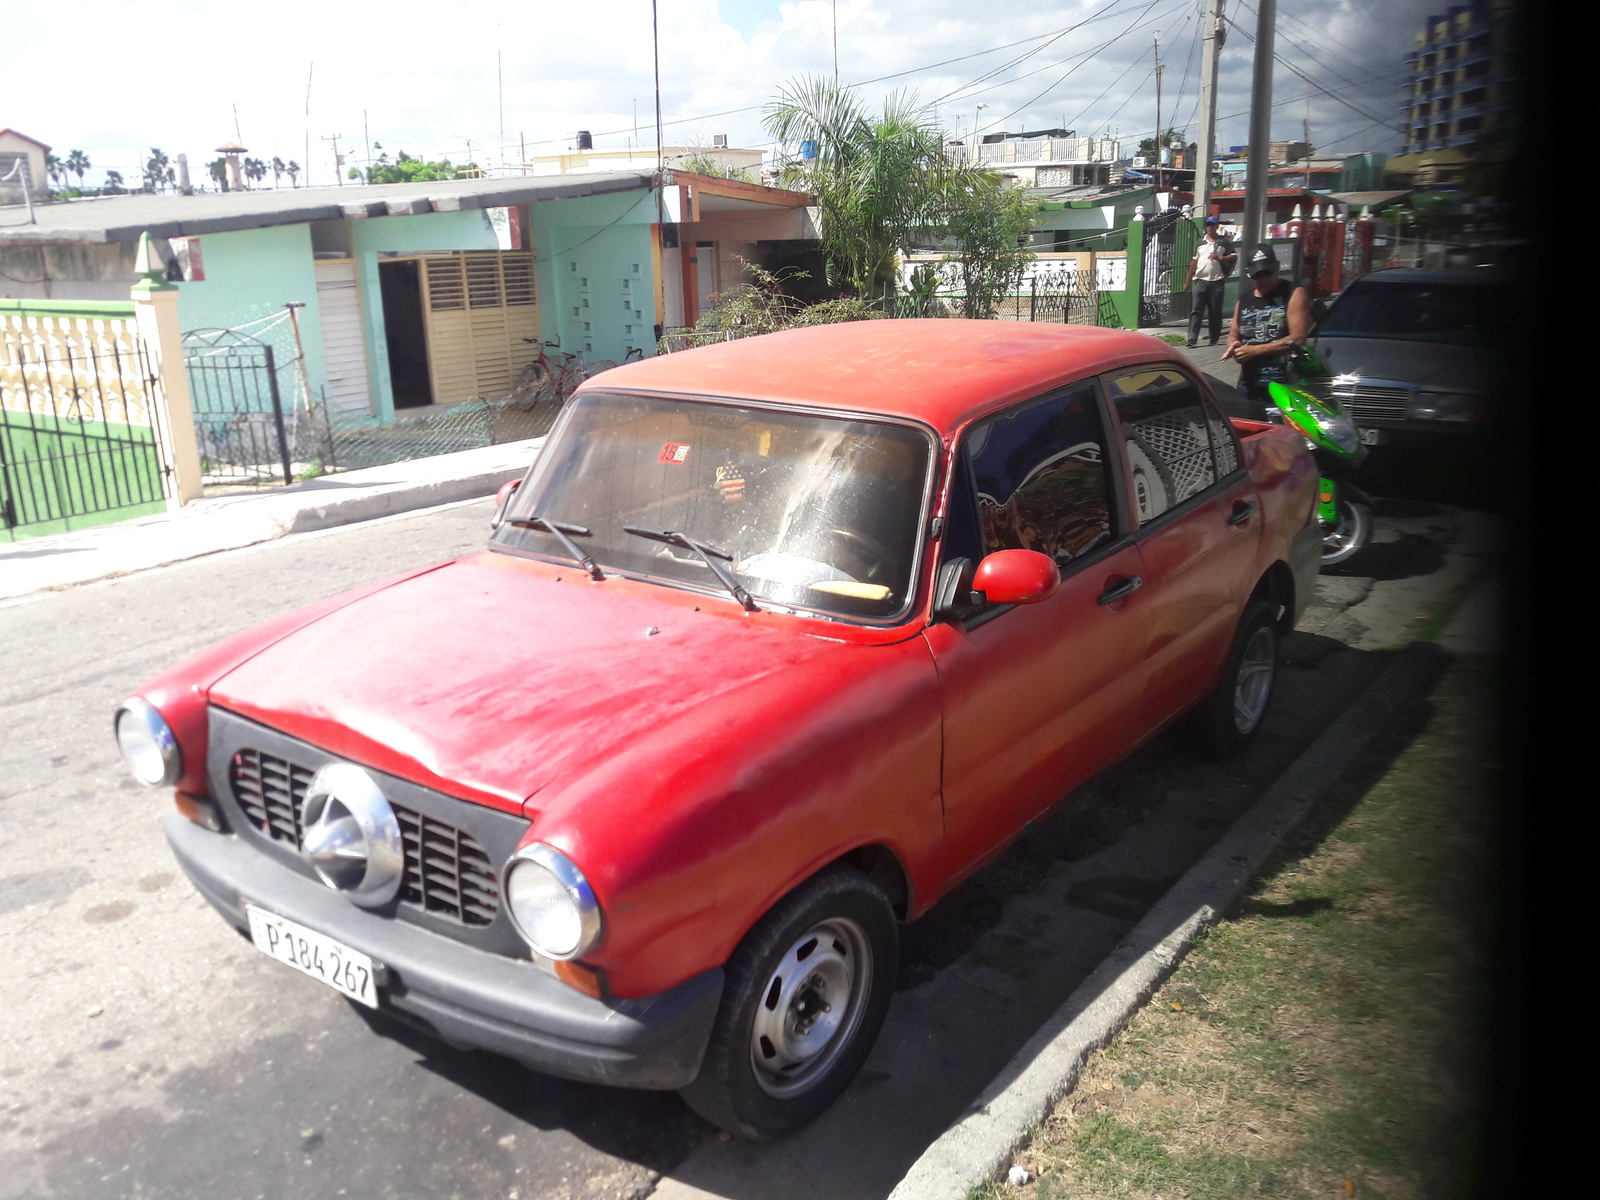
1375,402
448,872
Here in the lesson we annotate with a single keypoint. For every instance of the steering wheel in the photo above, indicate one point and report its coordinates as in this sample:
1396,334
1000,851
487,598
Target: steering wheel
868,548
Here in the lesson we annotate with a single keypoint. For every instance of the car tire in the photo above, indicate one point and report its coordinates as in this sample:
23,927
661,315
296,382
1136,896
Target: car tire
1228,720
1350,536
804,996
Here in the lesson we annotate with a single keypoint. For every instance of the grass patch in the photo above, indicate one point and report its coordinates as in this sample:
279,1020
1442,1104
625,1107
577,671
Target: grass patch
1323,1040
1173,339
62,475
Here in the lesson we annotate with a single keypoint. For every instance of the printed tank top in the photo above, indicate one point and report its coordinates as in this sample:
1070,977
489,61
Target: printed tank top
1264,319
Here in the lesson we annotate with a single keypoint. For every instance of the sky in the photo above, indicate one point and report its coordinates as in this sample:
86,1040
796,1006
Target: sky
438,78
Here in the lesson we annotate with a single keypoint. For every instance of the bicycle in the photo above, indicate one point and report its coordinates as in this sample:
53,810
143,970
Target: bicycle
545,379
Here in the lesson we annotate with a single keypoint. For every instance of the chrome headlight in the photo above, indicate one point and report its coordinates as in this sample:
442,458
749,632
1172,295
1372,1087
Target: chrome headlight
1442,406
551,903
1338,429
147,744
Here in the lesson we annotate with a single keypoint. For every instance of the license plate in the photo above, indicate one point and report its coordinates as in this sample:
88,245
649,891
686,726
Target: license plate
1372,437
314,954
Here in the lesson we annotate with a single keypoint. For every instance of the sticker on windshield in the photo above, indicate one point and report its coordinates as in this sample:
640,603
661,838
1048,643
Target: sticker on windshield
676,453
730,481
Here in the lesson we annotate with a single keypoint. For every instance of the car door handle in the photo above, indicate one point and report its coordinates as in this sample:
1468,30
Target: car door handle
1117,591
1243,510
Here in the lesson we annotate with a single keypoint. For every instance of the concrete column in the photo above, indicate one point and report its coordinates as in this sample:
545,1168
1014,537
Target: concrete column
156,310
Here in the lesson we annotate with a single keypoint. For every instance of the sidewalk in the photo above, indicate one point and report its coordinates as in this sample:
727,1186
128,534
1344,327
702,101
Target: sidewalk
229,522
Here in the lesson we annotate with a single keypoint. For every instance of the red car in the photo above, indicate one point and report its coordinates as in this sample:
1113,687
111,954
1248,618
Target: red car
777,642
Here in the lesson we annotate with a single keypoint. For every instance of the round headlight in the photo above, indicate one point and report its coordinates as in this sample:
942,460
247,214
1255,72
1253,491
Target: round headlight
551,903
147,744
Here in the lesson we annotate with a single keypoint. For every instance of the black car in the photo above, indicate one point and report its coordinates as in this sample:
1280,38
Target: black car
1415,352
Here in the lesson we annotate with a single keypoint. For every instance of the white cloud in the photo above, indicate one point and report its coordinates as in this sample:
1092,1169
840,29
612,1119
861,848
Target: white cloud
117,79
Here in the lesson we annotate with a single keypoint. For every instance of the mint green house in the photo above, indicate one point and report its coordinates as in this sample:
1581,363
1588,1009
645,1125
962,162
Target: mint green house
407,296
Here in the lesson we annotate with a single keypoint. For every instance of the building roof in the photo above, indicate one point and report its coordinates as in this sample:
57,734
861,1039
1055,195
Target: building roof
945,372
124,218
24,137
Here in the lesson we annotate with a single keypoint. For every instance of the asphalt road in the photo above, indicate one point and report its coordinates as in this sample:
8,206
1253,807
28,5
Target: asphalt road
148,1051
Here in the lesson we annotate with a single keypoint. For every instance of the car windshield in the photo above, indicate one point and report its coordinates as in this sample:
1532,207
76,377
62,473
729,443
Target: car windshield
1457,314
814,512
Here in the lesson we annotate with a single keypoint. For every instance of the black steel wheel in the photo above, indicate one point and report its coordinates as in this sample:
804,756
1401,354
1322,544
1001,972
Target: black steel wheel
805,995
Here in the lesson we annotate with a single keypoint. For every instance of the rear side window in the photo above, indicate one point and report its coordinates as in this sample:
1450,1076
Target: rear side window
1039,471
1165,424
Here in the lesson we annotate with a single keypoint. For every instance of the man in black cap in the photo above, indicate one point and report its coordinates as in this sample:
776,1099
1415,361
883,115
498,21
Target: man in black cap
1213,263
1272,318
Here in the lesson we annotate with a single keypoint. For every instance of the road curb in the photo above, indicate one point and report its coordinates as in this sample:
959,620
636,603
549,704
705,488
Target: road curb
981,1144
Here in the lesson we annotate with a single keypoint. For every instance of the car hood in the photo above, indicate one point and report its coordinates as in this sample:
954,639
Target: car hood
1431,366
487,684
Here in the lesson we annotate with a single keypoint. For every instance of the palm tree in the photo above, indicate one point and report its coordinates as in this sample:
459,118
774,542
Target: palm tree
78,162
53,167
157,170
255,170
292,169
114,182
218,169
278,168
879,180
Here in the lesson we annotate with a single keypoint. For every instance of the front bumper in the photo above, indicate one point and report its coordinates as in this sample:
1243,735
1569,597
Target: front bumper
464,995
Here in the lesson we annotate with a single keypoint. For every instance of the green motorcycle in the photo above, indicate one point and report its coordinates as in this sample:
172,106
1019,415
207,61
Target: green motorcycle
1343,509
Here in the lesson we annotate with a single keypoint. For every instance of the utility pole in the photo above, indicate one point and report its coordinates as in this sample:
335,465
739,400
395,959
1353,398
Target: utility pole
366,137
1216,31
310,71
1159,139
500,89
1255,176
338,159
836,43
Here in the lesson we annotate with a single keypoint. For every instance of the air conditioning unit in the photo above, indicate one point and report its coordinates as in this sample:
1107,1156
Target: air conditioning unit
719,141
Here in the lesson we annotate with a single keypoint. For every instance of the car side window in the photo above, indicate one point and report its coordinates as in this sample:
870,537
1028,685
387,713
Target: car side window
1040,474
1224,438
1164,423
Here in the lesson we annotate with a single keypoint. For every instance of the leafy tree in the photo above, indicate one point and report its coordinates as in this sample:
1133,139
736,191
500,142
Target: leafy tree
292,170
354,173
158,171
701,163
278,168
114,184
218,169
1147,148
990,224
879,180
406,169
78,162
255,170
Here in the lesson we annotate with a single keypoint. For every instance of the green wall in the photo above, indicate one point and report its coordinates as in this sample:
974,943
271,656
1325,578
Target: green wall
369,238
252,273
597,291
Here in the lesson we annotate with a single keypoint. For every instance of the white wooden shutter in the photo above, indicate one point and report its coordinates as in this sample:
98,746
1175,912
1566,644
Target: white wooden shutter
344,348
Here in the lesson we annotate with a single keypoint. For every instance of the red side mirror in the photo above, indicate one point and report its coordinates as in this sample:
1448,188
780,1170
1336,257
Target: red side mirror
1016,577
502,498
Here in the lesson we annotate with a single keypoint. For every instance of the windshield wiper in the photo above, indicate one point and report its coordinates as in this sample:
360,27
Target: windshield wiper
561,530
708,555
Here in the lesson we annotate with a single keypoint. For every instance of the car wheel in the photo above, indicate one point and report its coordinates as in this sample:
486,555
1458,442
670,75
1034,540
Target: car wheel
1346,539
1229,719
804,997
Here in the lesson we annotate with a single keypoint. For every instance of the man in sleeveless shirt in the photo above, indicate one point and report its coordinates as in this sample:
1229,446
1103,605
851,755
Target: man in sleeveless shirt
1272,318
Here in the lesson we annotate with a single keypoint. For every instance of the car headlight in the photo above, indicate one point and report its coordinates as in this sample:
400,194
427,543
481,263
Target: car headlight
551,903
1442,406
147,743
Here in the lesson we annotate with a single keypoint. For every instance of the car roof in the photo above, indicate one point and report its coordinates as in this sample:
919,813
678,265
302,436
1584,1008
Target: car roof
1484,276
942,372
